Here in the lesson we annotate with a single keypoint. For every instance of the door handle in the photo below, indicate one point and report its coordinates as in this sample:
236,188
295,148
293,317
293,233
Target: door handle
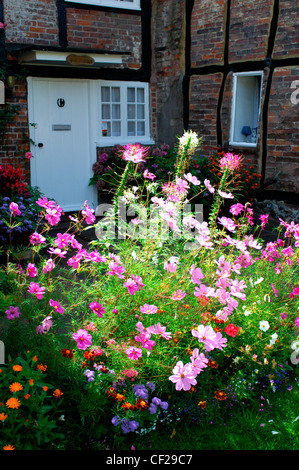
40,144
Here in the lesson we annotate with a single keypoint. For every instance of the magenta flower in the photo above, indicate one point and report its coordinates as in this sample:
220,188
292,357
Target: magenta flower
183,376
198,362
115,269
14,209
57,252
297,322
84,339
97,308
236,209
62,240
230,161
36,289
205,335
43,202
138,281
28,155
134,153
131,285
36,239
57,307
12,313
31,270
134,353
178,295
148,309
88,214
53,215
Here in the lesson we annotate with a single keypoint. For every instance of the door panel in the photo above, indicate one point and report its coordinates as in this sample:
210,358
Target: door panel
62,163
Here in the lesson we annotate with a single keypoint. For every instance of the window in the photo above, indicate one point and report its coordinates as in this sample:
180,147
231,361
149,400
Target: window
129,4
245,108
123,112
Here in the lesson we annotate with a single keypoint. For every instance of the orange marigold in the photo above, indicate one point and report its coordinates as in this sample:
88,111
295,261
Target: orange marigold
15,387
127,406
3,416
9,447
26,396
17,367
202,404
13,403
41,367
57,393
141,404
220,395
30,381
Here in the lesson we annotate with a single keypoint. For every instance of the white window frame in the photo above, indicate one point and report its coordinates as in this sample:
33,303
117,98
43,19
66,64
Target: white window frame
123,4
106,141
236,75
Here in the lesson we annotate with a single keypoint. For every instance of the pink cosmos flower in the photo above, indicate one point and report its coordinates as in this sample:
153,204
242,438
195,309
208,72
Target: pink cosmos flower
178,295
36,239
97,308
183,376
192,179
209,186
45,326
230,161
149,175
62,240
31,270
88,214
57,307
134,353
138,280
204,290
28,155
49,266
14,209
236,209
297,322
158,329
57,252
84,339
196,274
198,362
264,219
12,313
225,195
145,340
131,285
116,269
43,202
172,264
53,215
36,289
205,335
227,223
148,309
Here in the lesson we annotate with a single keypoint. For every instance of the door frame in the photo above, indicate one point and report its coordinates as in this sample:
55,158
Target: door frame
92,113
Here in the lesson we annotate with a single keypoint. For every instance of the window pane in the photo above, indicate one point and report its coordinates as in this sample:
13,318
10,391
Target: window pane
116,95
247,103
105,111
140,111
140,95
131,95
140,128
116,111
131,128
131,111
116,128
106,94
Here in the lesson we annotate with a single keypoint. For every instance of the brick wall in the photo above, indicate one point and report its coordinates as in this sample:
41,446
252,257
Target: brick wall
31,21
106,30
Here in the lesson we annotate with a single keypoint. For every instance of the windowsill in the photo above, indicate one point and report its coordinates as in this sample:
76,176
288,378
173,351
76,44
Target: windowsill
107,142
118,5
243,144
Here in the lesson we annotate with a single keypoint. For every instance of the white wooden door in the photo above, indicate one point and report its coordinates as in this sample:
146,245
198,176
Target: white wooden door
59,120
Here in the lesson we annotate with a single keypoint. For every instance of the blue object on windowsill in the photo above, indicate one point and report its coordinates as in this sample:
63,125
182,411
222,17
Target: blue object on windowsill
246,130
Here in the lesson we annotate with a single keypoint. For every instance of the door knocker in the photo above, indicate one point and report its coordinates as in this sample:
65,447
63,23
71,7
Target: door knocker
60,102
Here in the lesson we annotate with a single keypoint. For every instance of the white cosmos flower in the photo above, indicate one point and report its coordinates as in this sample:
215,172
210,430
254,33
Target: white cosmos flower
264,325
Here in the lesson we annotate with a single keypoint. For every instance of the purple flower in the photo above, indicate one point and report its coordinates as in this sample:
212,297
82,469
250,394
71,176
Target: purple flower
12,313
